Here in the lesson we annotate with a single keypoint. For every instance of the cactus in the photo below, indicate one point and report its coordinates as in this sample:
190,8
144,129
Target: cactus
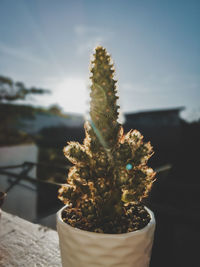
110,176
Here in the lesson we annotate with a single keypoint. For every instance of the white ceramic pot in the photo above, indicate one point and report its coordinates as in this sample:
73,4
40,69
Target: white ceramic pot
81,248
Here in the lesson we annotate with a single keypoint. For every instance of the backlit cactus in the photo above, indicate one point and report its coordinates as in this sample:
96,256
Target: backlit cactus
110,175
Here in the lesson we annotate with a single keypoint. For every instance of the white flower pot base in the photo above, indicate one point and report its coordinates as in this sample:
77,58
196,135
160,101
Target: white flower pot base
87,249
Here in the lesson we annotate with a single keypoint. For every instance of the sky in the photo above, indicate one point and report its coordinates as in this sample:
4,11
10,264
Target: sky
155,46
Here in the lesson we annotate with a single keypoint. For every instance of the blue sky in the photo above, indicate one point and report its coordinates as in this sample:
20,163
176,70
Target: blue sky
155,46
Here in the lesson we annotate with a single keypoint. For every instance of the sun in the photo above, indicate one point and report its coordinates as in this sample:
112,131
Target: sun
72,94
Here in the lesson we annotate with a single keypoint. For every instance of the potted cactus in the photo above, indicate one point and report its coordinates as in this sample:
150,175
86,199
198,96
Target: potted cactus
104,222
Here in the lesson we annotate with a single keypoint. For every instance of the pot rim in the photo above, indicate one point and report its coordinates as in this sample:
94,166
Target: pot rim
99,235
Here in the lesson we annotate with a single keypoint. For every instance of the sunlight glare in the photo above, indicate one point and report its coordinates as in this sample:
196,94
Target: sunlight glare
72,95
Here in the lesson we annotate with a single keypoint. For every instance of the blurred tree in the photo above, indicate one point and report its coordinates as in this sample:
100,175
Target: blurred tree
55,109
10,115
11,91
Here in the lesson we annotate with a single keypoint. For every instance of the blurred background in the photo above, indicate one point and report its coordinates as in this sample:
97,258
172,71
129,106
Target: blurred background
45,51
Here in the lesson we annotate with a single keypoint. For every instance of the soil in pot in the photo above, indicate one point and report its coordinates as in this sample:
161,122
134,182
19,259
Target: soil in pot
135,217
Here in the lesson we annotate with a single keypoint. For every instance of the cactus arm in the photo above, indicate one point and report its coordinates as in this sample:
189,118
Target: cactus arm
104,108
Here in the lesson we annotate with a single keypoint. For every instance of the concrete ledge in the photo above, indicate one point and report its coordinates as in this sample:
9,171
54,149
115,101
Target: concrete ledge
26,244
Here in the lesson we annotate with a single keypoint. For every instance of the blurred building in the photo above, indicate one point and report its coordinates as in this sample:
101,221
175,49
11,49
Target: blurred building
161,127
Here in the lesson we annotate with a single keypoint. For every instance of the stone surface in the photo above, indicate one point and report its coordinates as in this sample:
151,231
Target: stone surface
26,244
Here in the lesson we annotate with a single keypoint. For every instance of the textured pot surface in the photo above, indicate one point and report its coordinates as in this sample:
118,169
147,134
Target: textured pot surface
88,249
